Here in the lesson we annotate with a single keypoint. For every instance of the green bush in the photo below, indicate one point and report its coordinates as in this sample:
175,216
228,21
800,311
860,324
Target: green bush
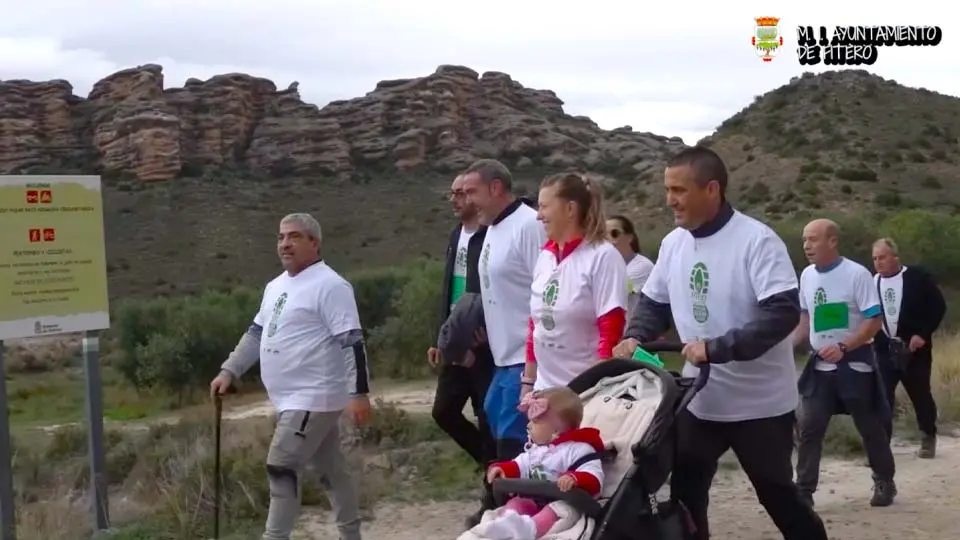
398,346
375,291
178,344
862,174
931,239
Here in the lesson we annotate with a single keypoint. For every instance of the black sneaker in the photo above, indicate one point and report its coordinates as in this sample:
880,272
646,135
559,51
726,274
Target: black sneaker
884,492
928,447
487,502
474,519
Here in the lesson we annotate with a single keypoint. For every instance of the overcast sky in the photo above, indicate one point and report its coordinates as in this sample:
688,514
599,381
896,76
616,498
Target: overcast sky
673,68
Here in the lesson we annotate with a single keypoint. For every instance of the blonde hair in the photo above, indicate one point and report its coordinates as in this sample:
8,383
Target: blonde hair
564,403
587,195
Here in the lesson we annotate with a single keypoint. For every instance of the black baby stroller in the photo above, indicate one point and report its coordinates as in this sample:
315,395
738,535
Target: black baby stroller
634,405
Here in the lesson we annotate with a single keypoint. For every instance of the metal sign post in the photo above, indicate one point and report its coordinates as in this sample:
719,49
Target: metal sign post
98,476
8,523
53,271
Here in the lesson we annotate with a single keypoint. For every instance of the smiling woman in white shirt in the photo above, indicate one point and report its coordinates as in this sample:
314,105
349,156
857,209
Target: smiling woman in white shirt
578,301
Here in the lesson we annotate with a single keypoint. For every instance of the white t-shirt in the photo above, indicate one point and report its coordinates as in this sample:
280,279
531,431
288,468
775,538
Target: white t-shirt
638,270
458,281
303,364
566,300
510,251
551,461
837,301
714,285
891,289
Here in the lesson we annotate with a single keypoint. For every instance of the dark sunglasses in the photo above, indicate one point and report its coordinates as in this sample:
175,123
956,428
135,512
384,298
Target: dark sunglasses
615,233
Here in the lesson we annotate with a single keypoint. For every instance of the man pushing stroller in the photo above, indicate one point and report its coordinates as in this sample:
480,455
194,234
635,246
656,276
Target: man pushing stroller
727,283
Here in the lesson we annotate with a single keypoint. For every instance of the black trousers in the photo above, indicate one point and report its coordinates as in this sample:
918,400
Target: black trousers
815,414
764,448
455,386
916,381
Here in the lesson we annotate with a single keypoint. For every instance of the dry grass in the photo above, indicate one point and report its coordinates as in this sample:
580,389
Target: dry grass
842,437
946,376
162,477
41,355
162,483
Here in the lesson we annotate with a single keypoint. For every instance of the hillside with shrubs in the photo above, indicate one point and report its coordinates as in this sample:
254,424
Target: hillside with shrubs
844,140
188,259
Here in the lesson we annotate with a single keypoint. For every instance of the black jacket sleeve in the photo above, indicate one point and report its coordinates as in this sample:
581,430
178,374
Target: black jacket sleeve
779,316
650,320
935,306
474,247
443,310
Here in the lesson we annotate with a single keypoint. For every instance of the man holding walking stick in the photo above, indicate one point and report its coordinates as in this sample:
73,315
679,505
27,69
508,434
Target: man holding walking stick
313,364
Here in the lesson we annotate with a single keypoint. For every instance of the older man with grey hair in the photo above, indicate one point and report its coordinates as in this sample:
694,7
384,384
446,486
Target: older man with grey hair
313,363
913,308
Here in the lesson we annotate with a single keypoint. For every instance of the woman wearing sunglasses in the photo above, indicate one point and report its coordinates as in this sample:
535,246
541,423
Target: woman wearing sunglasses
623,236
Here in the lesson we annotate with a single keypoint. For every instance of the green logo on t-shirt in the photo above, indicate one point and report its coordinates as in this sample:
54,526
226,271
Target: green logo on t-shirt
890,299
458,282
819,297
485,266
829,316
550,293
277,310
699,287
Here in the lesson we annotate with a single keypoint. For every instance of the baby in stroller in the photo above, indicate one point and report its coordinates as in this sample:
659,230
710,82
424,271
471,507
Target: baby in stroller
558,450
606,481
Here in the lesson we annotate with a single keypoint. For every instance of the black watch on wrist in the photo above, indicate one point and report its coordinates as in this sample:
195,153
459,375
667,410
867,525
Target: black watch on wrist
843,347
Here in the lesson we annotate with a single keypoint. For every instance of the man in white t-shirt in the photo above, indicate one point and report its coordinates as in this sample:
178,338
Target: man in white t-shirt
510,249
727,282
460,382
841,314
313,364
914,307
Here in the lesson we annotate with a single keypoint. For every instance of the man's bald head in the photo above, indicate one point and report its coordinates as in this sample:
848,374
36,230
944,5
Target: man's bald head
825,227
821,238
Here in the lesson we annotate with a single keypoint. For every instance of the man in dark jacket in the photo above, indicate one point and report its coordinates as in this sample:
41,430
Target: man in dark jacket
913,307
469,379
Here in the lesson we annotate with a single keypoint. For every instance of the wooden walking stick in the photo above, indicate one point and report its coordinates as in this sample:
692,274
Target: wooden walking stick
218,405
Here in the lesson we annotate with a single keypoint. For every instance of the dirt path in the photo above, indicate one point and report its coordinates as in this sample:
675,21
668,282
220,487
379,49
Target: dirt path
924,509
929,492
415,397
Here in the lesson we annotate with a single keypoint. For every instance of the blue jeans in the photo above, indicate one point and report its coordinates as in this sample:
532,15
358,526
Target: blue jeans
503,397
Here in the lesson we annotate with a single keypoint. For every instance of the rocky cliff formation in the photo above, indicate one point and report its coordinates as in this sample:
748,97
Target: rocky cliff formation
130,124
